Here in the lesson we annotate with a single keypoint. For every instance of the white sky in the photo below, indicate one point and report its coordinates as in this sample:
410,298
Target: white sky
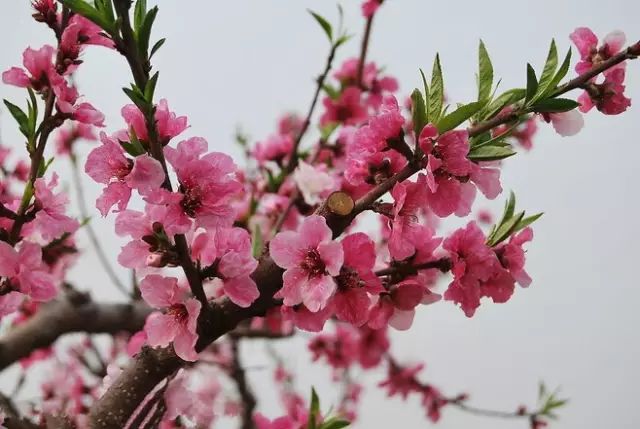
244,62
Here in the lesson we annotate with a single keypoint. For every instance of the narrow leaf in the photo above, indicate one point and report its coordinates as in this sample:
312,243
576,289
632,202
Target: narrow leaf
150,89
139,13
145,31
458,116
525,222
548,72
326,26
21,118
505,230
485,73
491,153
552,105
506,99
532,83
156,46
419,112
92,14
561,73
256,242
436,96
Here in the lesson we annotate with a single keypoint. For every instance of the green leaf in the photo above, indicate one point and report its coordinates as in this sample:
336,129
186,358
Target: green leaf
150,89
137,97
459,115
256,242
92,14
532,83
334,423
139,13
419,112
156,46
21,118
314,409
561,73
552,105
485,73
436,96
525,222
327,130
326,26
509,207
343,39
332,92
548,71
43,167
105,7
490,153
505,230
145,31
506,99
426,88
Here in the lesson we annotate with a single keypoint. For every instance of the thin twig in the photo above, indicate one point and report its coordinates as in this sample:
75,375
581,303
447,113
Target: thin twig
242,384
363,51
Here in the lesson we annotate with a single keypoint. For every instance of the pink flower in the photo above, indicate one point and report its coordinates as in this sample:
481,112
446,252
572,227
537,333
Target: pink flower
152,233
376,86
408,197
449,173
67,136
84,112
339,349
347,109
608,97
168,124
523,133
512,256
179,321
276,148
207,182
42,73
314,182
108,164
311,260
473,263
565,123
397,307
10,302
51,221
402,380
284,422
304,319
45,11
356,280
225,253
25,270
79,32
369,7
590,55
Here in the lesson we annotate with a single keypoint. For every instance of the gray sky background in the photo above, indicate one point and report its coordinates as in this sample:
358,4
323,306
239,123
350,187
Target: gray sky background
244,62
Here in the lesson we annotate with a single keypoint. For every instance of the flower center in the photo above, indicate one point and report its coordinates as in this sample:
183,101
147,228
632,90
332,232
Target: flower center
178,312
192,200
313,264
348,279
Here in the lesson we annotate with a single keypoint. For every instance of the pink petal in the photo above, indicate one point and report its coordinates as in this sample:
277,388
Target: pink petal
161,329
615,41
114,193
292,281
10,302
159,291
313,231
242,291
317,291
17,77
359,251
567,123
8,260
352,306
402,320
147,174
332,255
134,254
286,249
584,40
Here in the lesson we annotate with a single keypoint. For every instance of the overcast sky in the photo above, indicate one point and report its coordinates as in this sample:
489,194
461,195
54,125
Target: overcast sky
244,62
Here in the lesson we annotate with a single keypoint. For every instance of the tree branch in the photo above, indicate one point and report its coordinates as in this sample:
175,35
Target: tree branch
244,390
65,316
